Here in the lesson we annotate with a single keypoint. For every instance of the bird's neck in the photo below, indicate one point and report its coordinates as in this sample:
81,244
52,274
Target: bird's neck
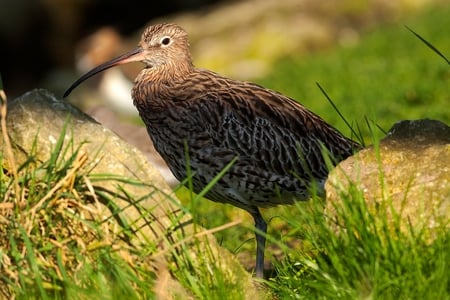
168,72
156,87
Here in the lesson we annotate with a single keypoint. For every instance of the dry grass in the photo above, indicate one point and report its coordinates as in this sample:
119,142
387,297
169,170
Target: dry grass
54,234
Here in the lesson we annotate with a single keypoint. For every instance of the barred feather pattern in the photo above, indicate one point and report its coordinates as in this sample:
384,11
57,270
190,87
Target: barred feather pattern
278,142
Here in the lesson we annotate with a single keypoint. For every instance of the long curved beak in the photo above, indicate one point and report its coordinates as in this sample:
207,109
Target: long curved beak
134,55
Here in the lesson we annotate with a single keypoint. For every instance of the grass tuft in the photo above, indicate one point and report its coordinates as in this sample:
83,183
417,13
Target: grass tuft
56,242
360,255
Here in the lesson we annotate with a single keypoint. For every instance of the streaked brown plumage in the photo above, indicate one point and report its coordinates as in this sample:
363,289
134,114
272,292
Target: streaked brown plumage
278,142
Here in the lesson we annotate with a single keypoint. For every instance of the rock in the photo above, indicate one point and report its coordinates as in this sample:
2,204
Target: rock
410,170
135,135
36,120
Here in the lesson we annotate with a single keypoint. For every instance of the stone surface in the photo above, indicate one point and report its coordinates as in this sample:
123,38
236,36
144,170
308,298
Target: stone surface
135,135
37,118
411,171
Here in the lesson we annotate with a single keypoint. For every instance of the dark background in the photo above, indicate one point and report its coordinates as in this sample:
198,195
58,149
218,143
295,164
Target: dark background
37,38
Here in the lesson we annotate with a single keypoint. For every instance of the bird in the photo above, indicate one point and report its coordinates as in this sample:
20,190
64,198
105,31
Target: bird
272,146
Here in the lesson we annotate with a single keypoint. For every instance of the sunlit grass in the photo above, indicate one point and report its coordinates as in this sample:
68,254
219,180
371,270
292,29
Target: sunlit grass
56,241
67,232
370,258
389,75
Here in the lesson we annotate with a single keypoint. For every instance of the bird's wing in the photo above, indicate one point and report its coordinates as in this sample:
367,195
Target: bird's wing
273,131
270,133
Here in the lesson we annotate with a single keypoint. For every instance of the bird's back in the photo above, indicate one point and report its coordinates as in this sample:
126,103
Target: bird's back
278,143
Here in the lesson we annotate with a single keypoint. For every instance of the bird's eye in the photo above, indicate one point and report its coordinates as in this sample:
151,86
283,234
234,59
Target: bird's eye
165,41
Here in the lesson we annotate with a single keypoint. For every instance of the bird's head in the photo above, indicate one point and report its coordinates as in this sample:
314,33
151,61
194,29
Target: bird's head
164,44
164,49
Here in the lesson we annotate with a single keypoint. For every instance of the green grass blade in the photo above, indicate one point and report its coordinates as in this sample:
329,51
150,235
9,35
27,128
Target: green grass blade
429,45
38,280
359,137
216,178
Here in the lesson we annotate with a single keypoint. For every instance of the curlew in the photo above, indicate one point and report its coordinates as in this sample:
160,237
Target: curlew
276,144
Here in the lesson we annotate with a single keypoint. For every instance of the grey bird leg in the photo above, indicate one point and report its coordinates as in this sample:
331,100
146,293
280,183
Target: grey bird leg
261,230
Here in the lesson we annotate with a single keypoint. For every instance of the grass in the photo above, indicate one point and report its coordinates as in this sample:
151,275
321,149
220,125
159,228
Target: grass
367,260
54,245
389,74
398,77
65,233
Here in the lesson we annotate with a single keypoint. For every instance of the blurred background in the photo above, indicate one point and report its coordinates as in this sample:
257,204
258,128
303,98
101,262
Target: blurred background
39,39
47,43
360,52
374,69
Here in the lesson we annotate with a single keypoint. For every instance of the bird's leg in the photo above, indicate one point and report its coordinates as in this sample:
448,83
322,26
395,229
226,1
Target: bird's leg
261,230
